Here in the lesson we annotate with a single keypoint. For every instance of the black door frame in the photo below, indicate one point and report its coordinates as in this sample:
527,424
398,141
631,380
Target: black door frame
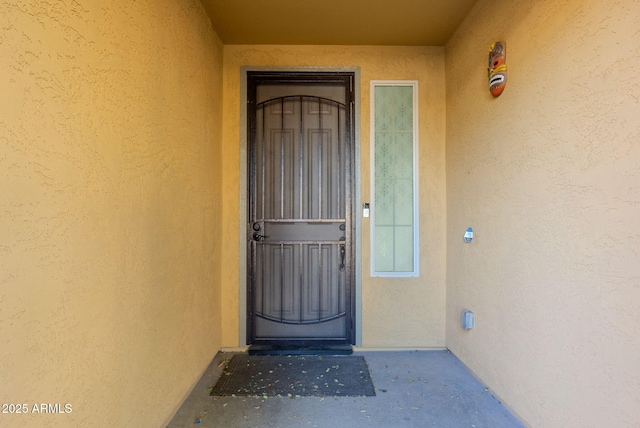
255,78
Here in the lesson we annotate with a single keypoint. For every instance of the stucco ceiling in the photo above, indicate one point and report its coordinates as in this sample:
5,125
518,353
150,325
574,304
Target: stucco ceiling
337,22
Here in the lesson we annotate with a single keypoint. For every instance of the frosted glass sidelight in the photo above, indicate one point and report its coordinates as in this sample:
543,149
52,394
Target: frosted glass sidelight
393,130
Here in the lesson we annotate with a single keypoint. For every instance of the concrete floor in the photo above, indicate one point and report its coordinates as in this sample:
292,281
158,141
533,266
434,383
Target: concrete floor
413,389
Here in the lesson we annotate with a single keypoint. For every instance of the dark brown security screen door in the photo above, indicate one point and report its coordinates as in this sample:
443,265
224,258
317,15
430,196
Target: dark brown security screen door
299,230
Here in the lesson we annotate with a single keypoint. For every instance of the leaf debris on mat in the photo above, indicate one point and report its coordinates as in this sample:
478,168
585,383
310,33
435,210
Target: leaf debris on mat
295,376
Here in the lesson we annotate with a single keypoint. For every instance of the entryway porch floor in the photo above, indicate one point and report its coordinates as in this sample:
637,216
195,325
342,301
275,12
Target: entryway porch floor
413,389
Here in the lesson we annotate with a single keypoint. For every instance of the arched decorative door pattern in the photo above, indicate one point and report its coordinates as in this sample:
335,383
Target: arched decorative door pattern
300,233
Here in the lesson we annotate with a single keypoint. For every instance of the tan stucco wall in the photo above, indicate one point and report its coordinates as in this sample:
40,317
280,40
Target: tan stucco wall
548,176
395,313
109,174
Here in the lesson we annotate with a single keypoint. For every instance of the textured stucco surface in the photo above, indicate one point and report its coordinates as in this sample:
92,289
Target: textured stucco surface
120,207
109,176
395,312
548,176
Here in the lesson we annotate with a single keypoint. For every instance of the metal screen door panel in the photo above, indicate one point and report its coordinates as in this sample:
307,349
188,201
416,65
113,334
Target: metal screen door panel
299,221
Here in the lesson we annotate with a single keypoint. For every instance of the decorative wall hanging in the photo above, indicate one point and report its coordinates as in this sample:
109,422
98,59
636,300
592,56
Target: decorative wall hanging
497,68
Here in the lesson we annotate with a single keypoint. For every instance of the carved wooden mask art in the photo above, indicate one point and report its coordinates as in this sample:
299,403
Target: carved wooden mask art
497,68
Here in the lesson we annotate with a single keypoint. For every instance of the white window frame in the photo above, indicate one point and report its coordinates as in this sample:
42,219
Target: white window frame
416,245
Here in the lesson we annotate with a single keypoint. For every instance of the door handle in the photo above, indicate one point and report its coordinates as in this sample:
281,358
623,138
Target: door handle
343,252
258,237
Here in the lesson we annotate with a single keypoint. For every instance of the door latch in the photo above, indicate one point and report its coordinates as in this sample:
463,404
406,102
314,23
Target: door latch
258,237
343,252
257,228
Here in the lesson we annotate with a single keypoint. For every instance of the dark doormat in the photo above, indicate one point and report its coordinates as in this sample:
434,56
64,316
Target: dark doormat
301,375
